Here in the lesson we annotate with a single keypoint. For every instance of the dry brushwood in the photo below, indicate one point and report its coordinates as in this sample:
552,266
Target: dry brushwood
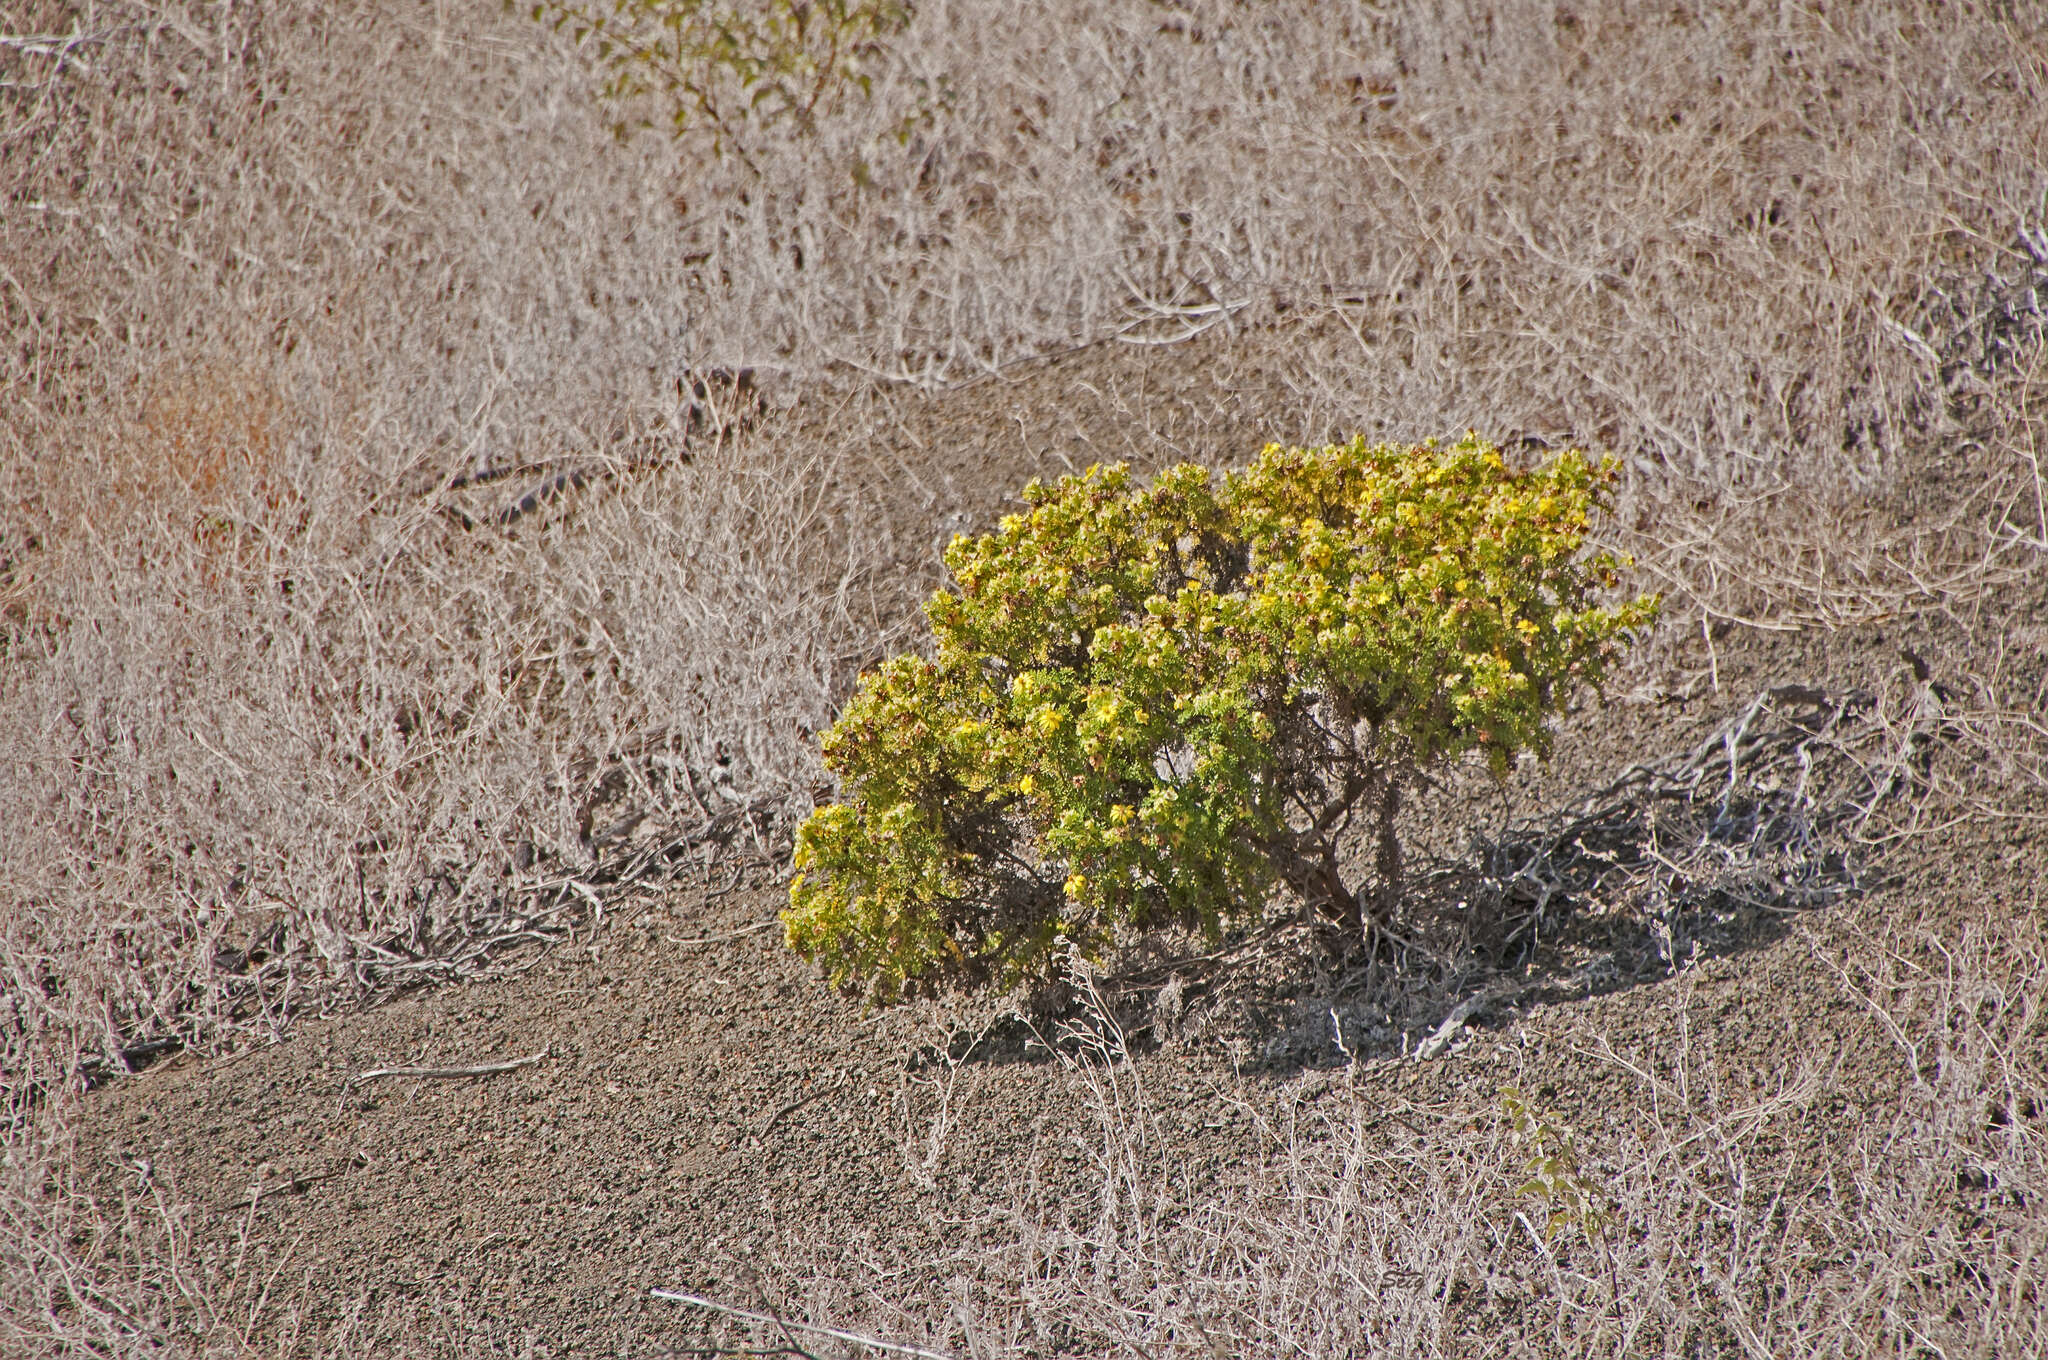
1764,815
786,1325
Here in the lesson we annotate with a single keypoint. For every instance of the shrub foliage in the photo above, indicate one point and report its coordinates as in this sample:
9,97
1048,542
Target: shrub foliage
724,66
1154,705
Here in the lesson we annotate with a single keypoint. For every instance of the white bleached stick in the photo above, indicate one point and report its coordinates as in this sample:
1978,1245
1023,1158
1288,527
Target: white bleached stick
480,1070
677,1296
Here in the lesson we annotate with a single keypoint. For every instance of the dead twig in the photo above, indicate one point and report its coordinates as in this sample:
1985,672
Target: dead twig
1440,1038
297,1184
451,1073
741,933
767,1320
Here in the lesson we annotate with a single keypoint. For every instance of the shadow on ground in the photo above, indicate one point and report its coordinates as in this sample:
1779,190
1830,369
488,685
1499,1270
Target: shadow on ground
1711,853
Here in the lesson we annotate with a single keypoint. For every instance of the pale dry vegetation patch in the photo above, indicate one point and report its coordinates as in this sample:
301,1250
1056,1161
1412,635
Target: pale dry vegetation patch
1651,227
1362,1223
278,721
1763,252
297,708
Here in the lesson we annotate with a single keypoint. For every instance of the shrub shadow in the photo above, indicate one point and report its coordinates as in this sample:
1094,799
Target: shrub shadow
1710,854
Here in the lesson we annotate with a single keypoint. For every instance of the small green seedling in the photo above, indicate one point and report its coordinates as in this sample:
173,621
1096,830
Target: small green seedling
1571,1196
725,68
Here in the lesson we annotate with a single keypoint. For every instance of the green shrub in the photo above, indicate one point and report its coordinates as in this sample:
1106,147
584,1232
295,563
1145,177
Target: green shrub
1157,705
727,66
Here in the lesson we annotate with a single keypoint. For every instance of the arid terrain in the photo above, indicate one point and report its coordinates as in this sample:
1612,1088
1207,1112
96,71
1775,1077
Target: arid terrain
437,524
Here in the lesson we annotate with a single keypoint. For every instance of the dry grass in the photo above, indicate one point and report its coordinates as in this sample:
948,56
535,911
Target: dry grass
1358,1223
284,729
1652,228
